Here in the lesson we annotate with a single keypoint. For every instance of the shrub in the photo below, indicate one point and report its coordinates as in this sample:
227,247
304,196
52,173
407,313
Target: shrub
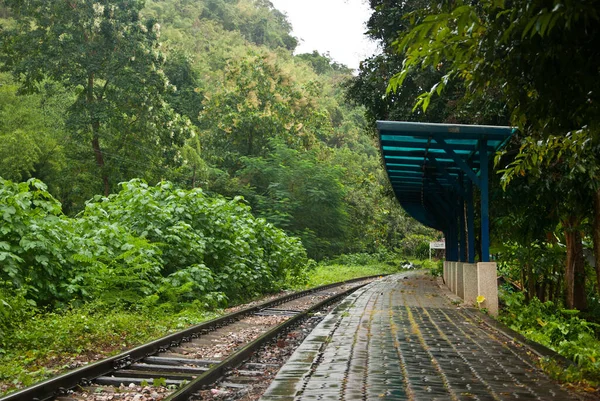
14,310
144,244
33,240
363,259
559,329
416,245
245,255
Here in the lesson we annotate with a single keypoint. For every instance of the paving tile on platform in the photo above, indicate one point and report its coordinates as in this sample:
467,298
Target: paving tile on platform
398,337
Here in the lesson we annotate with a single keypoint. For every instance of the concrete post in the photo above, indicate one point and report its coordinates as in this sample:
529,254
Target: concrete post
470,283
487,286
460,286
445,273
453,278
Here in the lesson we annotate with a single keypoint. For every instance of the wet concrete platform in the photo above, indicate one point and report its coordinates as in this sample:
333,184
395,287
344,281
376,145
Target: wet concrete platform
401,338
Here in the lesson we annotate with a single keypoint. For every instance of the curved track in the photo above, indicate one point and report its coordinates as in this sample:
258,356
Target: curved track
185,362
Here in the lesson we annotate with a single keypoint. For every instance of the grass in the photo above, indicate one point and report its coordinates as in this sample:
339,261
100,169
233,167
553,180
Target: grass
327,274
332,273
51,343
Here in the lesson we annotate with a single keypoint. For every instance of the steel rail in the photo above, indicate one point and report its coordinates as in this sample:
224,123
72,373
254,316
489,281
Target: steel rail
60,385
218,371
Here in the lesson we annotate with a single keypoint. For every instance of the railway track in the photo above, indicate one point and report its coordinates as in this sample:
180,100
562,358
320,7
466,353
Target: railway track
182,365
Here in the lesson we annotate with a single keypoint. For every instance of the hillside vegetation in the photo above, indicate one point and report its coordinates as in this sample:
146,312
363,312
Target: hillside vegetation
218,102
160,160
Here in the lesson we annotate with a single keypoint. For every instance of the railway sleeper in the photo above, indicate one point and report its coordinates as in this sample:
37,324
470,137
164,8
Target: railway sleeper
153,374
242,380
249,373
169,368
277,312
117,381
178,360
232,385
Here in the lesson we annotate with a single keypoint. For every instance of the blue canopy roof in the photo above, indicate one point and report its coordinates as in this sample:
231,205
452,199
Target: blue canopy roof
427,163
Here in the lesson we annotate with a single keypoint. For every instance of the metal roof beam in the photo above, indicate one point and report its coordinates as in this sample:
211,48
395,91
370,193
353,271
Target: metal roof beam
413,185
409,190
419,145
407,174
432,208
426,168
400,170
449,178
425,164
459,161
420,161
417,152
444,130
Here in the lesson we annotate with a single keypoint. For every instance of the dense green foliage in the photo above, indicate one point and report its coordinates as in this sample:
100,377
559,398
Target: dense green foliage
541,62
110,61
145,244
370,88
256,20
559,329
147,253
161,156
203,93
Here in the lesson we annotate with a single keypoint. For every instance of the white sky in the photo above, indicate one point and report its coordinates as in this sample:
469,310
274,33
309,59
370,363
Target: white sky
334,26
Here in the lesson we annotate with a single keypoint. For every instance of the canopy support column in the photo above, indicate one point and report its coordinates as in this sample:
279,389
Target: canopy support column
454,229
470,222
461,217
485,206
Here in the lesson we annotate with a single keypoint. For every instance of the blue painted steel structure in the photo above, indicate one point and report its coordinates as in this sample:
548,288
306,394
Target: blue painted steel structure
432,169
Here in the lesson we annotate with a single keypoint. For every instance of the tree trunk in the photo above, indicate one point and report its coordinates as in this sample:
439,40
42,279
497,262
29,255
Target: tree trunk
558,287
541,290
96,135
100,163
596,235
575,267
529,285
250,144
524,283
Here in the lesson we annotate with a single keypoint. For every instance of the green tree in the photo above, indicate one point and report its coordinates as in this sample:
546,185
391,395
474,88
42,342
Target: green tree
30,133
256,20
559,170
323,64
544,61
389,19
112,61
258,102
376,220
301,192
